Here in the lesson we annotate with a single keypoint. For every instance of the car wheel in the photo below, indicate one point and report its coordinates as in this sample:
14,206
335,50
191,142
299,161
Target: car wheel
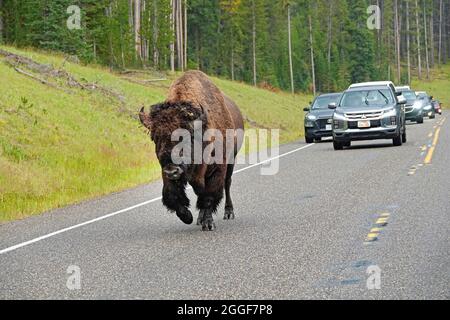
398,141
433,116
404,138
309,140
338,145
419,119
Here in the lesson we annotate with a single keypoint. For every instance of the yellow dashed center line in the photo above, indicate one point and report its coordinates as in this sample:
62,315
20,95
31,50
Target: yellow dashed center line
382,221
429,156
375,231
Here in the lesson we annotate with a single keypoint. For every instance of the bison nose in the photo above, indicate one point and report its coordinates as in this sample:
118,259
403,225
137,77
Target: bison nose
173,173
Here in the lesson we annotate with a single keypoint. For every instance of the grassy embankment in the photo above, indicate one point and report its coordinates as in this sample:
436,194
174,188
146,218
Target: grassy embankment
439,86
59,146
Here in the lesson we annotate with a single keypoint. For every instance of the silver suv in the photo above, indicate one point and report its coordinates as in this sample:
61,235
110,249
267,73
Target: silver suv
369,111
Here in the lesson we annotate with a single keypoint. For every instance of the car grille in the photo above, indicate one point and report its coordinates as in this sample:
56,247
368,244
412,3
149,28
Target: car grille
322,123
373,124
364,115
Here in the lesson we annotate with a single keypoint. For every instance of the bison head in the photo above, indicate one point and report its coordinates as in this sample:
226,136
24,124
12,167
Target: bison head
162,121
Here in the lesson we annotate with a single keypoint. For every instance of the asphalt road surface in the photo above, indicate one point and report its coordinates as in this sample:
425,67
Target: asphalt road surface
313,231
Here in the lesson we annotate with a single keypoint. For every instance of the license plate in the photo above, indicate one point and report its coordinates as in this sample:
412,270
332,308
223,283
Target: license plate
328,127
363,124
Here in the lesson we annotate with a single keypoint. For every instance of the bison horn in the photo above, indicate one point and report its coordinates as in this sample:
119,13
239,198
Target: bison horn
145,118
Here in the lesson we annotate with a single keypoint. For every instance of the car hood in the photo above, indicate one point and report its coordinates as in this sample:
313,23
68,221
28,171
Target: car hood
364,109
322,113
419,103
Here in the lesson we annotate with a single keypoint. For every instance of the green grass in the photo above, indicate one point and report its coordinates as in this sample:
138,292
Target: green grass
58,148
439,87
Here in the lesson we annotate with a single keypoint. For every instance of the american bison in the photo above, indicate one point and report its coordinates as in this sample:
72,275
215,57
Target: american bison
193,99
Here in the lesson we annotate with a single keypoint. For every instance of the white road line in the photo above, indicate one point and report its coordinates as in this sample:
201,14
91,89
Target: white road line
110,215
274,158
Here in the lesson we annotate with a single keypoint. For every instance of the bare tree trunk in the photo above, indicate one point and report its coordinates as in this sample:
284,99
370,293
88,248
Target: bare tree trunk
408,42
254,43
290,49
397,42
432,34
1,21
441,8
172,44
426,39
185,34
232,54
177,34
419,58
447,33
137,28
330,39
445,37
313,72
146,8
111,52
130,13
180,36
155,35
378,40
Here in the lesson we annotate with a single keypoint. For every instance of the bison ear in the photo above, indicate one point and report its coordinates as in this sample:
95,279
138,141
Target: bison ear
145,119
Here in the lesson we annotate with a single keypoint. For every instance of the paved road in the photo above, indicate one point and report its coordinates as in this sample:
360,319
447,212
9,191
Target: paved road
301,234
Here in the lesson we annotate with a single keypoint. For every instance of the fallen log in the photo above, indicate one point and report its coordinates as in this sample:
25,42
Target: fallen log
43,81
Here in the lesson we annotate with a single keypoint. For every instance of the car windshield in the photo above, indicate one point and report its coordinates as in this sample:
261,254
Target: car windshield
322,102
423,96
369,98
409,95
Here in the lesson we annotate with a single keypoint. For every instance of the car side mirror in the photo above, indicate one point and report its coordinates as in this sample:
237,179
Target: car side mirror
332,106
307,109
398,94
401,99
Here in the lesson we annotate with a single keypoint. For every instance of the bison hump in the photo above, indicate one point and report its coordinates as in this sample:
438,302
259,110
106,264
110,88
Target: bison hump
196,88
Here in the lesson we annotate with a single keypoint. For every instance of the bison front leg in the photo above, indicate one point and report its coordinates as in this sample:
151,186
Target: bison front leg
175,199
210,198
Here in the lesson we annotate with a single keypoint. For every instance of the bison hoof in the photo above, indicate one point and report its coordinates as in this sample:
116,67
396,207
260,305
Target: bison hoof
186,216
208,225
229,214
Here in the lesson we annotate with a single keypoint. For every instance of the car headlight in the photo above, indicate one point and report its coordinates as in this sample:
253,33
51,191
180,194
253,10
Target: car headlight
390,113
311,117
309,124
338,120
339,116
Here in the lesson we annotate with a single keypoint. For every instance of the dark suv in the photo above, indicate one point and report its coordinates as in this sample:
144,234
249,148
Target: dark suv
425,100
318,120
369,111
414,106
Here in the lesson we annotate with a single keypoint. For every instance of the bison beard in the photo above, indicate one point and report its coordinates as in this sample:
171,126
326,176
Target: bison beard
194,97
